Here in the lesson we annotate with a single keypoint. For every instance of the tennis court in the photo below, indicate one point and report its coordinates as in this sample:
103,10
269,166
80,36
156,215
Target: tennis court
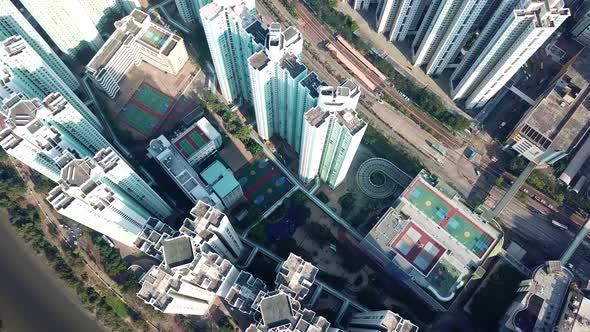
138,119
191,142
449,218
152,98
155,38
262,182
418,248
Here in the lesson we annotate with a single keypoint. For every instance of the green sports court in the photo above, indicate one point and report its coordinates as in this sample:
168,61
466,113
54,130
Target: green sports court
191,142
146,109
138,119
263,183
155,37
439,210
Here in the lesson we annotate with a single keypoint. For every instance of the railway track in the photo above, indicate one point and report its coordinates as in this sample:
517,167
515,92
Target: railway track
439,131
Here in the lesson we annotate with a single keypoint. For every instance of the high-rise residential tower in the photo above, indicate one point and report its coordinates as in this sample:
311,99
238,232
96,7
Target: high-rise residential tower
66,22
12,23
189,10
96,10
34,78
233,34
86,195
47,135
282,87
398,17
332,134
441,35
515,32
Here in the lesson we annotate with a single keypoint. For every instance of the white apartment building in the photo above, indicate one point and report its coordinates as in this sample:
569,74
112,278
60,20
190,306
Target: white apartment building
280,86
189,10
31,76
46,136
66,22
398,17
119,174
515,32
382,320
332,134
443,31
212,228
296,276
13,23
233,34
91,200
136,39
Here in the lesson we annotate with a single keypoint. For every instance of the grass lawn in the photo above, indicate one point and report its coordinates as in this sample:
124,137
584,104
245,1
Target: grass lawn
118,306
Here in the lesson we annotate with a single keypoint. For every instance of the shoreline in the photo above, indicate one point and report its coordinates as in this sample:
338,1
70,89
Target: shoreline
31,276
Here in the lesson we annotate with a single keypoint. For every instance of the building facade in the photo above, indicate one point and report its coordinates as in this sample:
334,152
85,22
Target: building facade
13,23
189,10
332,134
515,32
34,78
281,89
233,34
136,39
67,24
443,31
87,197
397,18
46,135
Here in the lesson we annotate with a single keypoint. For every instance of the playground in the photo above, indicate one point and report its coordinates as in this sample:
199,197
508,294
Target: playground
191,142
155,38
418,248
146,109
263,183
439,210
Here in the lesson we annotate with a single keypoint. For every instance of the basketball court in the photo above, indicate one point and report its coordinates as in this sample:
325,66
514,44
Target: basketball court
191,142
155,38
263,183
146,109
449,218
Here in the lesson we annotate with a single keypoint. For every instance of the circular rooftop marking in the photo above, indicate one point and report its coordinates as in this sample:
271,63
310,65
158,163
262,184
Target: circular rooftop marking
269,191
428,203
467,234
252,172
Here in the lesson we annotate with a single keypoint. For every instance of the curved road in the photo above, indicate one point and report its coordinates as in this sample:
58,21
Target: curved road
31,297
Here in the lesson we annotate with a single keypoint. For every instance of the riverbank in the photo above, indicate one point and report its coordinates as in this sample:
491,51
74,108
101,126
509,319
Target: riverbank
32,298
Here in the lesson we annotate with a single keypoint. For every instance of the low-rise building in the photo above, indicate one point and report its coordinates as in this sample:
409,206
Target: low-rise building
383,320
538,302
136,39
559,121
432,239
198,141
223,183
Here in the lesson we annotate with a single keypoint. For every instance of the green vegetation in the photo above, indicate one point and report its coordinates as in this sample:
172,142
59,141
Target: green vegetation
323,197
382,147
320,234
42,183
346,202
289,7
106,25
114,265
325,11
490,302
118,306
424,99
233,124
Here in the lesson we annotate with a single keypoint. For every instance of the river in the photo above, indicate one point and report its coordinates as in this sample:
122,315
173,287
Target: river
31,296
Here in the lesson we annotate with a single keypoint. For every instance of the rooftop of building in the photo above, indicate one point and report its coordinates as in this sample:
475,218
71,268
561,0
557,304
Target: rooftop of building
350,119
259,60
539,300
561,117
297,275
292,65
316,116
193,138
220,178
575,316
313,83
77,172
135,27
14,45
258,31
432,237
177,251
22,112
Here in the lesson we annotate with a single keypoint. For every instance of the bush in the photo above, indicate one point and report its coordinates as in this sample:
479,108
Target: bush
326,12
382,147
323,197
